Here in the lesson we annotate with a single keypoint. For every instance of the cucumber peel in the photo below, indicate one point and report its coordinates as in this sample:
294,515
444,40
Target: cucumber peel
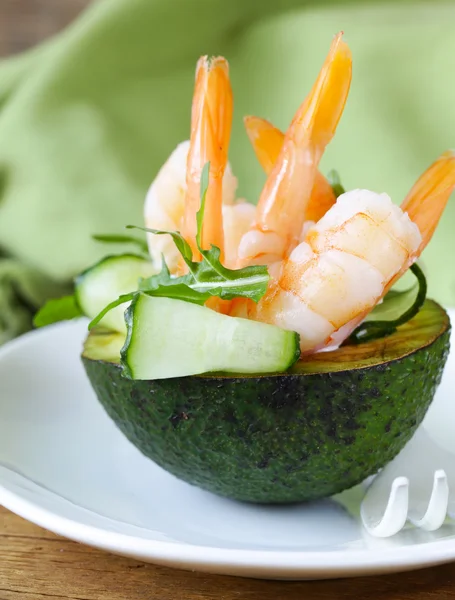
398,308
109,279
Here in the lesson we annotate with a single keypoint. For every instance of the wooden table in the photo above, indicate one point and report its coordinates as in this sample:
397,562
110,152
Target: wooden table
37,565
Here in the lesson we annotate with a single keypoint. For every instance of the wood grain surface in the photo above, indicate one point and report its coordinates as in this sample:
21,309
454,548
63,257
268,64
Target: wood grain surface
37,565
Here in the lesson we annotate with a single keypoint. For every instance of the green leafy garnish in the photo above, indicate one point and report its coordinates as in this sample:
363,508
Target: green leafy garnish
334,179
205,278
164,285
209,278
397,308
182,245
57,309
120,300
113,238
201,211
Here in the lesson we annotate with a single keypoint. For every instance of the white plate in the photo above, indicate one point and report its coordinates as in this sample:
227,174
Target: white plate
65,467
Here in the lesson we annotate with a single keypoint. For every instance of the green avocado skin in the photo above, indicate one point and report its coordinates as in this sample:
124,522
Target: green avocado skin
275,439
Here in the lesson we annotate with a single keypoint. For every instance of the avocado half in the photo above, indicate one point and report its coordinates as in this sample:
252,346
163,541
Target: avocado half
332,420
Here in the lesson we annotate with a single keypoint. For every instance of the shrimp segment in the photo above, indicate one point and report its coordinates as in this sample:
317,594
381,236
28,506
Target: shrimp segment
370,226
333,278
267,141
164,206
285,196
351,258
237,220
211,120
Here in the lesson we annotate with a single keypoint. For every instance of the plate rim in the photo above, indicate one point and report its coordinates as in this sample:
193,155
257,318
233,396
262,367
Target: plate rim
188,555
221,560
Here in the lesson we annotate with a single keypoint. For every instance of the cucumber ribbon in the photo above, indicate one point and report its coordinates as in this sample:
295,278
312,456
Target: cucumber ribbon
397,308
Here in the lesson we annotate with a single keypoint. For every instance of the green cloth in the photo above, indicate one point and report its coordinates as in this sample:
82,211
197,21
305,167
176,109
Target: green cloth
87,119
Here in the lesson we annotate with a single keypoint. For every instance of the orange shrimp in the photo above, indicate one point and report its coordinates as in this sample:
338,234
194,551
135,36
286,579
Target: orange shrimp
211,121
267,141
351,258
173,197
284,199
428,197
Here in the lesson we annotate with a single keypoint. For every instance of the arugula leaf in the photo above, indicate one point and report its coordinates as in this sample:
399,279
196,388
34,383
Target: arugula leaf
121,239
334,179
163,284
396,309
217,280
200,212
208,277
110,306
182,245
57,309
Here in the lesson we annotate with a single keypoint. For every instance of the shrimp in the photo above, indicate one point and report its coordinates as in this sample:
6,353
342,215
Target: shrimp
237,220
173,197
211,121
284,199
350,259
164,204
328,275
267,141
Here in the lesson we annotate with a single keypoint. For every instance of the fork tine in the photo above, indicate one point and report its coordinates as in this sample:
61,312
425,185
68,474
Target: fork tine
394,517
436,511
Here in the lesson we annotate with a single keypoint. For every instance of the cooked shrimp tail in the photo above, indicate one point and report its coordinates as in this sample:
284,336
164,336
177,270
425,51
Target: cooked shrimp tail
285,196
426,202
428,197
211,120
267,141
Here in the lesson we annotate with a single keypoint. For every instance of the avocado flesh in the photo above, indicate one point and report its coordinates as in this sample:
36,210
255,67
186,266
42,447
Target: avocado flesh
324,426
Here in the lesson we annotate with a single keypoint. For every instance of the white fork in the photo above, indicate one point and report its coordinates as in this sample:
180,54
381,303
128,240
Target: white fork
417,486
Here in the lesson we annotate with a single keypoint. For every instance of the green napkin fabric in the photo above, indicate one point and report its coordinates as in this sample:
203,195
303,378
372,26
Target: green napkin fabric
87,119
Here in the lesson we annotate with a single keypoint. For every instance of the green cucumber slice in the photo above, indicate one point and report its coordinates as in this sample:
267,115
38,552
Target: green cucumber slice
170,338
108,279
